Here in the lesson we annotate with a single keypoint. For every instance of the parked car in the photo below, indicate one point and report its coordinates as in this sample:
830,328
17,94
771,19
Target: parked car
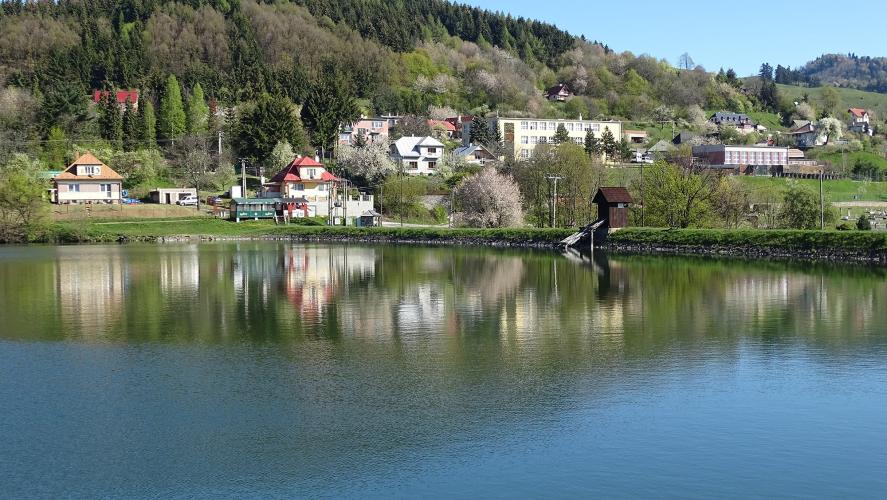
131,201
187,201
213,200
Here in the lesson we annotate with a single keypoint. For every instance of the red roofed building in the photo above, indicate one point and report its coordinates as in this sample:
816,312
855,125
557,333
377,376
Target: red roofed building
457,121
303,178
860,121
122,96
448,129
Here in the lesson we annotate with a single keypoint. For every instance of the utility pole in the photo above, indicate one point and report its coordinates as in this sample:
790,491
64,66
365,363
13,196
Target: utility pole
401,193
821,201
243,177
220,143
554,178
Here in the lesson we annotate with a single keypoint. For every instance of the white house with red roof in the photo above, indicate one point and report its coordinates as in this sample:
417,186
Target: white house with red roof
305,178
88,180
860,121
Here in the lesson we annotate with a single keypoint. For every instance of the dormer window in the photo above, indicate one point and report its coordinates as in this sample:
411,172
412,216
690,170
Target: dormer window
432,151
89,170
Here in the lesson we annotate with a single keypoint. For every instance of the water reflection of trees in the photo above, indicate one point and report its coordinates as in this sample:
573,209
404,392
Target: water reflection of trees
452,300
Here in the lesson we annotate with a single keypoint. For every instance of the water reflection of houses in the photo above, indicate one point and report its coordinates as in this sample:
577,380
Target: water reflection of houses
314,276
90,287
179,269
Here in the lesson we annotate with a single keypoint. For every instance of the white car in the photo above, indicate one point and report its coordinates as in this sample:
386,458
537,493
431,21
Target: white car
187,201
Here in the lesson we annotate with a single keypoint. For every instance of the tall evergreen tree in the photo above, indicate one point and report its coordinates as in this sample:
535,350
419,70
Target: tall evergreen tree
330,105
480,132
130,127
110,121
172,122
197,111
592,144
260,128
147,124
561,135
608,144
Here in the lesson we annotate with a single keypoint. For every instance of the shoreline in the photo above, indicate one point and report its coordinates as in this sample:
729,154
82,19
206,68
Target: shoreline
856,247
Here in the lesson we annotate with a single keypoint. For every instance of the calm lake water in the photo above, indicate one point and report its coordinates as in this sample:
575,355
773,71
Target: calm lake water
282,370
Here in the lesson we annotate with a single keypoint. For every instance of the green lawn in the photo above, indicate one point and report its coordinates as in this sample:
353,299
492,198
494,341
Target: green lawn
146,230
764,189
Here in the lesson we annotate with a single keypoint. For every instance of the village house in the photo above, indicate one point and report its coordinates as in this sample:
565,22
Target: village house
520,136
457,122
743,160
417,155
558,93
475,155
87,180
442,128
303,178
860,121
739,121
373,129
120,96
307,189
804,133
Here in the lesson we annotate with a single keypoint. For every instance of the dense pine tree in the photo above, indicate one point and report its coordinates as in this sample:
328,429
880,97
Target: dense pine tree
147,124
171,124
197,112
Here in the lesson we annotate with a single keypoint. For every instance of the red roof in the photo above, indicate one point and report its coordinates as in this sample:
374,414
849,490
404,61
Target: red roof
122,96
291,173
857,112
449,127
458,121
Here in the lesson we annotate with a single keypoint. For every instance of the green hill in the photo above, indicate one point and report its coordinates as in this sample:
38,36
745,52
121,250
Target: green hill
850,98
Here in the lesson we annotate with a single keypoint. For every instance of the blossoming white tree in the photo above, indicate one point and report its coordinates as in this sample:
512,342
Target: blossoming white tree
488,199
370,162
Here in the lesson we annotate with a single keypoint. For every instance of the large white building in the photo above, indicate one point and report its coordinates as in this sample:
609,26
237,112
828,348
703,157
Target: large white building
520,136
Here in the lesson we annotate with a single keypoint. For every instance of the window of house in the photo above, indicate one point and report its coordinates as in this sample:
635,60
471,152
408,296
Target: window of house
432,165
298,186
310,173
89,170
525,140
414,164
377,124
595,127
543,140
432,151
322,187
534,125
524,125
106,188
74,188
552,126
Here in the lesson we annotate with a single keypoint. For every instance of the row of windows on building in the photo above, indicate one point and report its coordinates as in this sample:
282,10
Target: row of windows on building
75,188
301,187
414,165
756,158
533,139
570,126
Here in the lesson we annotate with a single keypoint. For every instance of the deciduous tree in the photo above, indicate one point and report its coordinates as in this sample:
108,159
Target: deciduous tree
488,199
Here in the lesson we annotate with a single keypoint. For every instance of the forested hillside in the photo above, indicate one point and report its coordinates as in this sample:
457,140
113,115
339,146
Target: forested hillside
839,70
429,57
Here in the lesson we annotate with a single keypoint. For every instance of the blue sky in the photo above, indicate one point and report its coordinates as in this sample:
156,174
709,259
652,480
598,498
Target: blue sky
715,34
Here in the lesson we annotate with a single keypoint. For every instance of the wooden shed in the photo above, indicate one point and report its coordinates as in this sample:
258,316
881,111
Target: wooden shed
612,206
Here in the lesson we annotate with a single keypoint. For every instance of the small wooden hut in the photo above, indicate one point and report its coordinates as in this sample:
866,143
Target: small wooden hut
612,205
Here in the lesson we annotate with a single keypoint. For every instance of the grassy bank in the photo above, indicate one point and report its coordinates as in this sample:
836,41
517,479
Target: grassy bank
821,241
142,230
